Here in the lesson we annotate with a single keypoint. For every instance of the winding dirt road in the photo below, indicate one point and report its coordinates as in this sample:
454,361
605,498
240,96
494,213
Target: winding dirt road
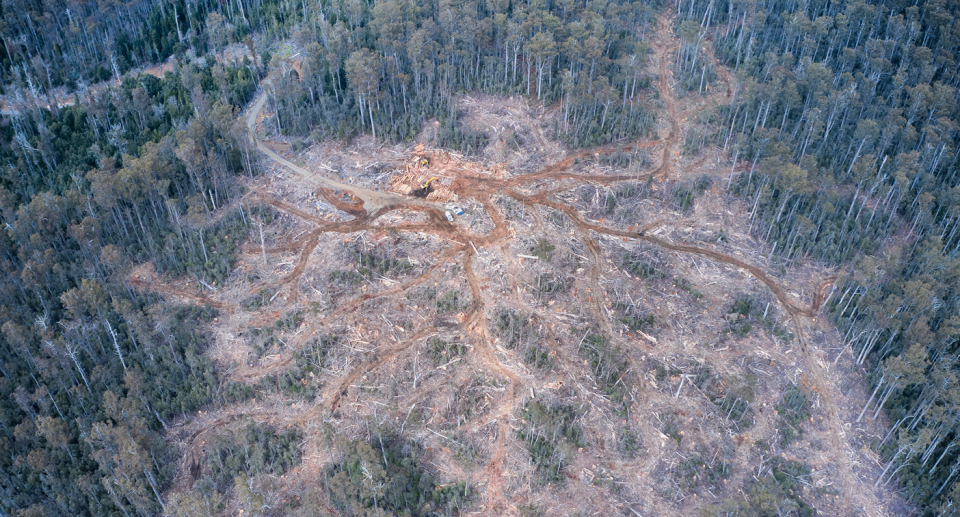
484,190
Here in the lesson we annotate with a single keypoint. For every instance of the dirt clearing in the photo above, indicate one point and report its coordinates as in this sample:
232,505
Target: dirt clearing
622,304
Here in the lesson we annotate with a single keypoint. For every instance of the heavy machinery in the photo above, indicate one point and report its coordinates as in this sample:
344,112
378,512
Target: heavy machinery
424,188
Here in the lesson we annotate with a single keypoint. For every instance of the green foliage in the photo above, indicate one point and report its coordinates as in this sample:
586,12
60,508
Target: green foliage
305,377
633,317
684,285
263,341
141,172
315,350
513,328
167,374
442,352
517,334
628,443
670,427
662,372
910,294
703,182
546,284
450,301
289,321
742,307
638,266
529,510
704,469
453,135
234,392
264,296
264,213
696,81
543,250
386,474
551,435
736,403
370,265
738,319
373,263
682,198
604,478
624,160
558,219
251,450
128,176
538,358
469,455
208,254
136,34
346,277
743,316
634,188
610,369
136,175
202,501
470,399
515,141
733,397
594,129
296,381
794,410
610,203
778,492
836,190
348,87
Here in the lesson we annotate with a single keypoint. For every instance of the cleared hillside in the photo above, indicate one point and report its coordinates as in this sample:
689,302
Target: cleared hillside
599,333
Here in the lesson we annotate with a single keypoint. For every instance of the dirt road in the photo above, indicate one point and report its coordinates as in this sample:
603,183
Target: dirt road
473,253
374,201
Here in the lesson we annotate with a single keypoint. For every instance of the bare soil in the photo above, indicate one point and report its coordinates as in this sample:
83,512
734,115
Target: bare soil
381,371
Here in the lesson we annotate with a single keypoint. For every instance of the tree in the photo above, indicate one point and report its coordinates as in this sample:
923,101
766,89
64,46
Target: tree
126,454
56,432
543,49
363,75
217,29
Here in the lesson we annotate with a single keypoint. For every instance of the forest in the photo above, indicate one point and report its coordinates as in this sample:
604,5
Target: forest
844,121
842,135
93,368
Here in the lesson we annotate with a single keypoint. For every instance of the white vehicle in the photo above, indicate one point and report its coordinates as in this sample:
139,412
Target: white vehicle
449,216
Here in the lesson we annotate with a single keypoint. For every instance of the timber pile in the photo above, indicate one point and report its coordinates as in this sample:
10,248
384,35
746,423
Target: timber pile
425,164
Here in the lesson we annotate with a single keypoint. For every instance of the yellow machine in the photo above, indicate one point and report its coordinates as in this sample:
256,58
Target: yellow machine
424,162
426,184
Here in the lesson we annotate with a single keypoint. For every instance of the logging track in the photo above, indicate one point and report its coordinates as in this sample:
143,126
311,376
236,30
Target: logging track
374,204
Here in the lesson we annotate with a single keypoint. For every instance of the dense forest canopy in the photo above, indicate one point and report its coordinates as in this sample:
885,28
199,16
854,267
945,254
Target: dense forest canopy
93,368
843,133
386,68
47,44
845,122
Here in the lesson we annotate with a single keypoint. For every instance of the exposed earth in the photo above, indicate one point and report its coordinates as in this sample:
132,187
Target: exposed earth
562,268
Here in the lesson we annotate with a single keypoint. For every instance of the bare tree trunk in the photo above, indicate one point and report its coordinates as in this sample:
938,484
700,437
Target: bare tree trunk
116,344
263,247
